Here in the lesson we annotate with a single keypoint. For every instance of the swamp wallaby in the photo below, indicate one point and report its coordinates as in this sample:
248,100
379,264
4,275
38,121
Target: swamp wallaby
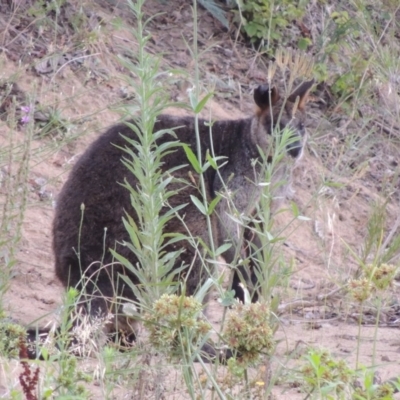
80,244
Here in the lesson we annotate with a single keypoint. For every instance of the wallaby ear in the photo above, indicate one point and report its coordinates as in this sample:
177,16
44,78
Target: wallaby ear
302,91
265,97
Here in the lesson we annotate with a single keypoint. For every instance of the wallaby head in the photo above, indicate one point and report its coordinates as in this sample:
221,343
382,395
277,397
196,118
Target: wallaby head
83,236
277,112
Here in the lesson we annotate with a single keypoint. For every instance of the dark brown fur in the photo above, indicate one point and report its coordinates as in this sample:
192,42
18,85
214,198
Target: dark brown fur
95,182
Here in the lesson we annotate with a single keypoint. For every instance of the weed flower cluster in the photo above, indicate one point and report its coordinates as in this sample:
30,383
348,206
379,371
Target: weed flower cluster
374,278
360,289
248,331
175,323
381,276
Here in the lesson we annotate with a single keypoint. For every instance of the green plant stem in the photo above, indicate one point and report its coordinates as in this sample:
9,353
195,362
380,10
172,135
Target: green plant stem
359,336
196,125
211,377
378,315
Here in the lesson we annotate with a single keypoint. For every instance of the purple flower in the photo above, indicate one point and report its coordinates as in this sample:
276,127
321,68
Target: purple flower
26,109
25,117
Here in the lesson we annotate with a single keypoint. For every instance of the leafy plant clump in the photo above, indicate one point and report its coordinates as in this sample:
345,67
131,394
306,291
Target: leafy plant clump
266,21
327,378
324,374
10,337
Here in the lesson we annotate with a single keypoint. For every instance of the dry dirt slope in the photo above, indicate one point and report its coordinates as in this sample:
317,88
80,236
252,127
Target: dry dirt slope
322,247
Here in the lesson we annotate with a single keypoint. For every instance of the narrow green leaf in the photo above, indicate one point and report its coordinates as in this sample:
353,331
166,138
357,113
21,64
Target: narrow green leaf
123,260
174,238
202,102
132,230
333,184
198,204
211,160
192,158
222,249
213,203
44,353
192,98
295,209
175,210
204,289
205,167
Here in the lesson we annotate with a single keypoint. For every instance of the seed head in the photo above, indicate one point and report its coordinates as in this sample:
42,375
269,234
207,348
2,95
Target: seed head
360,289
248,331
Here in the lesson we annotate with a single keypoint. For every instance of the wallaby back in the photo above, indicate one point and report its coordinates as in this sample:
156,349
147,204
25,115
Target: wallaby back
95,181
